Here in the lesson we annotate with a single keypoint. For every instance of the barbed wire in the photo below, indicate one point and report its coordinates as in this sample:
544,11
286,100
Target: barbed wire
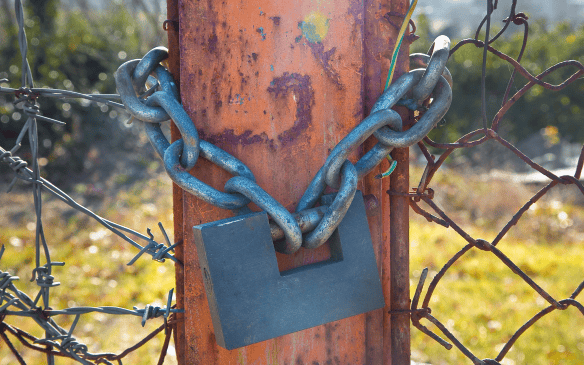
426,194
13,302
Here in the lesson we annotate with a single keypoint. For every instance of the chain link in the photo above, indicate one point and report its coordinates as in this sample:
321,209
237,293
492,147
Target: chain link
198,188
160,106
440,50
161,102
274,209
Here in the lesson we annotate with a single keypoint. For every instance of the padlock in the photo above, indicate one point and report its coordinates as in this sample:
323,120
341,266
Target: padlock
251,300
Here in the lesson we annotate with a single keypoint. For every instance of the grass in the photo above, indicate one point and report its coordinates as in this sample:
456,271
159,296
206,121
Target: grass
481,300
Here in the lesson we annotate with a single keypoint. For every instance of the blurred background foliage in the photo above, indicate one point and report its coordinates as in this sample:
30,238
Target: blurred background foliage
103,162
547,45
76,47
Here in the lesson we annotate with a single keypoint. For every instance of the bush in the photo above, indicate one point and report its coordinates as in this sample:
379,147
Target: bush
538,108
72,50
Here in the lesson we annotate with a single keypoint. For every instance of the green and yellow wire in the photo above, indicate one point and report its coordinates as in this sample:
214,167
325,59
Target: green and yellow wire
392,166
400,36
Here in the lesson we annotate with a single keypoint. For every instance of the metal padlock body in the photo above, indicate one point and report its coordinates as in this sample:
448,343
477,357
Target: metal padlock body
251,300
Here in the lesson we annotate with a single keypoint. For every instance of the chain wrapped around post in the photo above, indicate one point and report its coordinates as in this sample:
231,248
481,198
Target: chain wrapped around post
160,103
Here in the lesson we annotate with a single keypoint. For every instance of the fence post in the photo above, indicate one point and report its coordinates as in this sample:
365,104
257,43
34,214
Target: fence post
278,86
399,249
171,25
390,228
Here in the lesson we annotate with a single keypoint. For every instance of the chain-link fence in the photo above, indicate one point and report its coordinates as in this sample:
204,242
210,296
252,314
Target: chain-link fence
489,132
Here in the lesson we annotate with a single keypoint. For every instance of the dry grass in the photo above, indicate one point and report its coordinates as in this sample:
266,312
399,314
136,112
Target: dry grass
480,299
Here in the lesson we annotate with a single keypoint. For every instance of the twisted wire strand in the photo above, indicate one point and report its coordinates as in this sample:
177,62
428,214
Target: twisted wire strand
28,308
156,250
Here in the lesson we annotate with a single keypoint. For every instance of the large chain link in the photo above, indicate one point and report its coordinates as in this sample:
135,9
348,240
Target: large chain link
159,103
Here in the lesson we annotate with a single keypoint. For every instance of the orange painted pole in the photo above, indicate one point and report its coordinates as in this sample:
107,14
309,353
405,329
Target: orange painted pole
278,85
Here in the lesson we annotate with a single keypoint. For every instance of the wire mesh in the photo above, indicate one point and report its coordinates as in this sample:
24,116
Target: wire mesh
420,308
14,302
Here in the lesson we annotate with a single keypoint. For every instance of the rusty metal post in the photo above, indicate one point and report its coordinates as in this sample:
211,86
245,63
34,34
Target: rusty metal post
171,25
400,260
391,228
278,85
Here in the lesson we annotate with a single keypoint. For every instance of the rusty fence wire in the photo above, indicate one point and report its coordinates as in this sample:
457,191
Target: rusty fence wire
59,341
420,308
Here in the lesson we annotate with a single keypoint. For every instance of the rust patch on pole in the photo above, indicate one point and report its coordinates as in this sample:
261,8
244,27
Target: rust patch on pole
399,244
278,86
399,240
